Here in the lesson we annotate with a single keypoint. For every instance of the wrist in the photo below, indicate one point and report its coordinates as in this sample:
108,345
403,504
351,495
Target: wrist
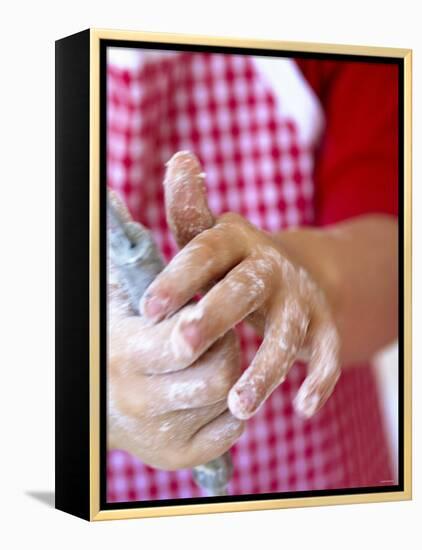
312,249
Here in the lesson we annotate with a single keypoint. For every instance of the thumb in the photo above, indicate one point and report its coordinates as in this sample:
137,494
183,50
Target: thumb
185,198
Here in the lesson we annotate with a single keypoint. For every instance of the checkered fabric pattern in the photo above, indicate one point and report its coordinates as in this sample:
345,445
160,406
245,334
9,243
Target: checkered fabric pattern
257,165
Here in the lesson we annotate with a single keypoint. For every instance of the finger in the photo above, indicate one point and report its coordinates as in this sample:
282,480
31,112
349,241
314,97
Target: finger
271,363
164,442
207,382
214,439
323,369
135,346
244,289
185,196
208,256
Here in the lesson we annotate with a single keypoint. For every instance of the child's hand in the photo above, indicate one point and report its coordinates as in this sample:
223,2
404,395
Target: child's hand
256,280
167,415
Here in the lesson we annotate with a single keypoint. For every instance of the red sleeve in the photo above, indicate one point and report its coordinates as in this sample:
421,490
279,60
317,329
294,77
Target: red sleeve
356,168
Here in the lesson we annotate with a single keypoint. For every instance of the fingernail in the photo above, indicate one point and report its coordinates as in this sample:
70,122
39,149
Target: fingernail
191,334
180,161
177,155
241,402
154,307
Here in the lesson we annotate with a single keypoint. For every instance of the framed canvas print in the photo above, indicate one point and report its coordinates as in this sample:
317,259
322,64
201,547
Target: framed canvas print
233,274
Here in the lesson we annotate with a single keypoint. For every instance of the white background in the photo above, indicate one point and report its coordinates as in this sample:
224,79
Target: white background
27,272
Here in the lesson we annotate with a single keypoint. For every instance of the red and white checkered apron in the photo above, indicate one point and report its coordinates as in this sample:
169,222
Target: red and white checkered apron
221,108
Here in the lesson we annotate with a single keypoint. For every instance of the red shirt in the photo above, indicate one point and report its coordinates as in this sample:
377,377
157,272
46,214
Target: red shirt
357,159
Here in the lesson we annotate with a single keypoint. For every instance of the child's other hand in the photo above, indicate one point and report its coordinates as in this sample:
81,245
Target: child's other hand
251,276
169,412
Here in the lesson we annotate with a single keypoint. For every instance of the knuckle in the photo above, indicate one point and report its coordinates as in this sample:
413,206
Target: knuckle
232,218
124,407
124,401
195,253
